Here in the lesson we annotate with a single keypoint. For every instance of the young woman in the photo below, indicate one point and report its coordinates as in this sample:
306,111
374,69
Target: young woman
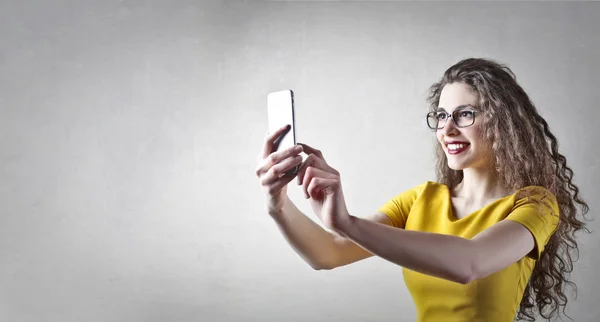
492,240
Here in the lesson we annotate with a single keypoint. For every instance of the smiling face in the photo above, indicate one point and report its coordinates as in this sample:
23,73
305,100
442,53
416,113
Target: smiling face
464,146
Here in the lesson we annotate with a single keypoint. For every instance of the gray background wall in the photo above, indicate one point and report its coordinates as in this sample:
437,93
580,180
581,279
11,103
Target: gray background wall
129,132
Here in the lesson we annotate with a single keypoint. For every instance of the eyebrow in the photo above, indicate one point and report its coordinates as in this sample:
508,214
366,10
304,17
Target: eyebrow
460,107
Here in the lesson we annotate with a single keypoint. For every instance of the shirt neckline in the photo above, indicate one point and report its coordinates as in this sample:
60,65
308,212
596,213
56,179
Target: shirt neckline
452,217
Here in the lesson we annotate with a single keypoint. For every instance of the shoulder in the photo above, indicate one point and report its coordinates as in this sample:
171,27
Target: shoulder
537,209
540,197
427,188
424,193
401,205
432,189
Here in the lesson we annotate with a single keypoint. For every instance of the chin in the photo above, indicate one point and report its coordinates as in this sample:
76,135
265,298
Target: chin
457,166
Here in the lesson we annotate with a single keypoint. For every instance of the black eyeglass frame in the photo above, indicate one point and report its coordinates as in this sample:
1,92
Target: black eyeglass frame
450,115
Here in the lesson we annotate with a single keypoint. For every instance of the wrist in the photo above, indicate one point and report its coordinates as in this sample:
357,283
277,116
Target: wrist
276,210
347,225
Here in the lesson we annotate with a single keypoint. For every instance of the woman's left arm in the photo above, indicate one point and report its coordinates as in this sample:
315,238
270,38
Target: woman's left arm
449,257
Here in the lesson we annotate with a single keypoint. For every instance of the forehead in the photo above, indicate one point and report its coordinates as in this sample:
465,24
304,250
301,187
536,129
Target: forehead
456,95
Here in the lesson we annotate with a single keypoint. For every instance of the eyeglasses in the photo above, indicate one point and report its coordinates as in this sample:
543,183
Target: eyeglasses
462,118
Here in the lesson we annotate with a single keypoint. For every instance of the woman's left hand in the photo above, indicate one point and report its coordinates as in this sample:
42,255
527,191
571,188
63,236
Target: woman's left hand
322,185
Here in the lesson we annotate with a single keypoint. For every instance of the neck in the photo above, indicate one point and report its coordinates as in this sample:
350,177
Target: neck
480,184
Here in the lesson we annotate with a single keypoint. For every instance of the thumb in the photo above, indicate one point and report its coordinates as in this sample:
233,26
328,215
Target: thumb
322,185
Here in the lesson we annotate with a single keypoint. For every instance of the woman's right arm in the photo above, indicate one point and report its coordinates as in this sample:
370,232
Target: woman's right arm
320,248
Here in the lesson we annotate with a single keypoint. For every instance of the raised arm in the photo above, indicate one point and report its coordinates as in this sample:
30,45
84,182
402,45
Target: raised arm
449,257
320,248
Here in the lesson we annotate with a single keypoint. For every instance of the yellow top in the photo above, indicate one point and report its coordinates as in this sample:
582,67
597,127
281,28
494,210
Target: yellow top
496,297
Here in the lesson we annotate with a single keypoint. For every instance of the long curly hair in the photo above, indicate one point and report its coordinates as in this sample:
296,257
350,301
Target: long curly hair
525,153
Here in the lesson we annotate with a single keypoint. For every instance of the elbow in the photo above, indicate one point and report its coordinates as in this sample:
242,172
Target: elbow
463,271
329,258
318,266
465,278
471,270
468,274
324,264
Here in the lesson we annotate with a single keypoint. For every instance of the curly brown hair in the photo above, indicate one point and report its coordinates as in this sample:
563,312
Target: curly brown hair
529,158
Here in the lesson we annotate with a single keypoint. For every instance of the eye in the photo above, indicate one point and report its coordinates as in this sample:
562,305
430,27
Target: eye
466,114
440,116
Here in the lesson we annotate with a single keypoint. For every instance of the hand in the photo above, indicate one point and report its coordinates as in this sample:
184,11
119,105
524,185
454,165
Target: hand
272,168
321,183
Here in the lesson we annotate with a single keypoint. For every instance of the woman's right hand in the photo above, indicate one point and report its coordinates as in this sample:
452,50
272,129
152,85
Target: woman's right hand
272,168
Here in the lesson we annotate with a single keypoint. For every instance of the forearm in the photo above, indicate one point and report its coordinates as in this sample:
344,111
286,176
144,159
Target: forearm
314,244
444,256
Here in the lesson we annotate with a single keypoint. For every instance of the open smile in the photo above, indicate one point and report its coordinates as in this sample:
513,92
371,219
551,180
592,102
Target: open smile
457,147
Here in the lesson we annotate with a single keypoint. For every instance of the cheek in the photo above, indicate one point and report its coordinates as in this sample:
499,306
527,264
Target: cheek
438,136
476,134
484,148
478,131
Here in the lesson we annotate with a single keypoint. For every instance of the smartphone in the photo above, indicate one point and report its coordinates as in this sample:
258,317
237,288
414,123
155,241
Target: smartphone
280,107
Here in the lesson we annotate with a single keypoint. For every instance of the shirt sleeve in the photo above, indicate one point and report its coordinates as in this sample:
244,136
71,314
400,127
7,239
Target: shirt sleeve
398,208
539,213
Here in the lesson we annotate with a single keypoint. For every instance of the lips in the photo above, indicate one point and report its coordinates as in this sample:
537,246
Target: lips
456,147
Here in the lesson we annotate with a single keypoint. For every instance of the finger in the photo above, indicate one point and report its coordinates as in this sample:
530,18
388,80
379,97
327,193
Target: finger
310,150
315,161
278,184
276,157
278,170
311,160
270,140
312,173
320,186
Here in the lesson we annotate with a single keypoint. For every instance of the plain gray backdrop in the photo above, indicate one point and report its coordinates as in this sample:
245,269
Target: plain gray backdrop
129,133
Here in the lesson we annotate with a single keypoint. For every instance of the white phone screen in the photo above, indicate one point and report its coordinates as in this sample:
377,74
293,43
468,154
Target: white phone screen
281,112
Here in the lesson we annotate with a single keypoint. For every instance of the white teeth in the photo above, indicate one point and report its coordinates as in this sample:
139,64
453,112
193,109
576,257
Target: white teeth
456,146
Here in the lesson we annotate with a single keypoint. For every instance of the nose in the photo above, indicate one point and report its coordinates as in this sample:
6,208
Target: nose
450,128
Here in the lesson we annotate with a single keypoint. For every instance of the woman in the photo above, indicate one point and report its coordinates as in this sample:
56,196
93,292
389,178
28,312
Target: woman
491,240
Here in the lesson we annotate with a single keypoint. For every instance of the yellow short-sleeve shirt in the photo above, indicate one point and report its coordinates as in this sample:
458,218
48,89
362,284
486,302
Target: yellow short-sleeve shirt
496,297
